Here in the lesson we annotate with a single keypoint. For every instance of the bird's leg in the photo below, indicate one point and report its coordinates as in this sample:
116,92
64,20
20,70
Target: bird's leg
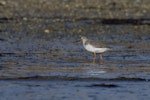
101,58
94,57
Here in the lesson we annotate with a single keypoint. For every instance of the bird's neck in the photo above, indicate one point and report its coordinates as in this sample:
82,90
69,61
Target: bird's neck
84,42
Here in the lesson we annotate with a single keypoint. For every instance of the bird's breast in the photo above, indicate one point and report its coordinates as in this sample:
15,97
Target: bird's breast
89,48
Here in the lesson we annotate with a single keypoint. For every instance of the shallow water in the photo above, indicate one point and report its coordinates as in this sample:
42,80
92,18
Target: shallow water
91,90
60,68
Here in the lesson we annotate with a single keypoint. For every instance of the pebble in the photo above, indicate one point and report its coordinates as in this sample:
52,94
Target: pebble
47,31
2,3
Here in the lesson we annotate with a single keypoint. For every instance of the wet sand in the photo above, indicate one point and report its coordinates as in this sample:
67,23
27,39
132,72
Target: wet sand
42,57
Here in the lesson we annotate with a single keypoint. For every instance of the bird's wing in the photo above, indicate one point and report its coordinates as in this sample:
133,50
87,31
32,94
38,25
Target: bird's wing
97,44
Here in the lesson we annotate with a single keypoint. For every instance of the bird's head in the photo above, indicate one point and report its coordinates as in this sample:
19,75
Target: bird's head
83,38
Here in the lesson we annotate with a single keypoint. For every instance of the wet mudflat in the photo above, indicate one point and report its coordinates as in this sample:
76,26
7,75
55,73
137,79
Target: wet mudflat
42,57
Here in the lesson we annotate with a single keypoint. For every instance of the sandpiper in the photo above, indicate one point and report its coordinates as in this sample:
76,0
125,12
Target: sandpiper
94,47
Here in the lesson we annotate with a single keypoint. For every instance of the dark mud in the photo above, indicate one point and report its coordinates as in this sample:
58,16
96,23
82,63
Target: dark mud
42,57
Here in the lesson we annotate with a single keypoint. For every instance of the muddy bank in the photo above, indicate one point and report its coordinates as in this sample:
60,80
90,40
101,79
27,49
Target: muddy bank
75,8
76,17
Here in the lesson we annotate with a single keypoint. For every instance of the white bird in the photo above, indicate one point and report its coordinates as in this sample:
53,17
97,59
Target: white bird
94,47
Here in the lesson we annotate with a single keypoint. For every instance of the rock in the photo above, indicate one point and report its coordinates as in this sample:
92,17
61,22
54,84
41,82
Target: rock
2,3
